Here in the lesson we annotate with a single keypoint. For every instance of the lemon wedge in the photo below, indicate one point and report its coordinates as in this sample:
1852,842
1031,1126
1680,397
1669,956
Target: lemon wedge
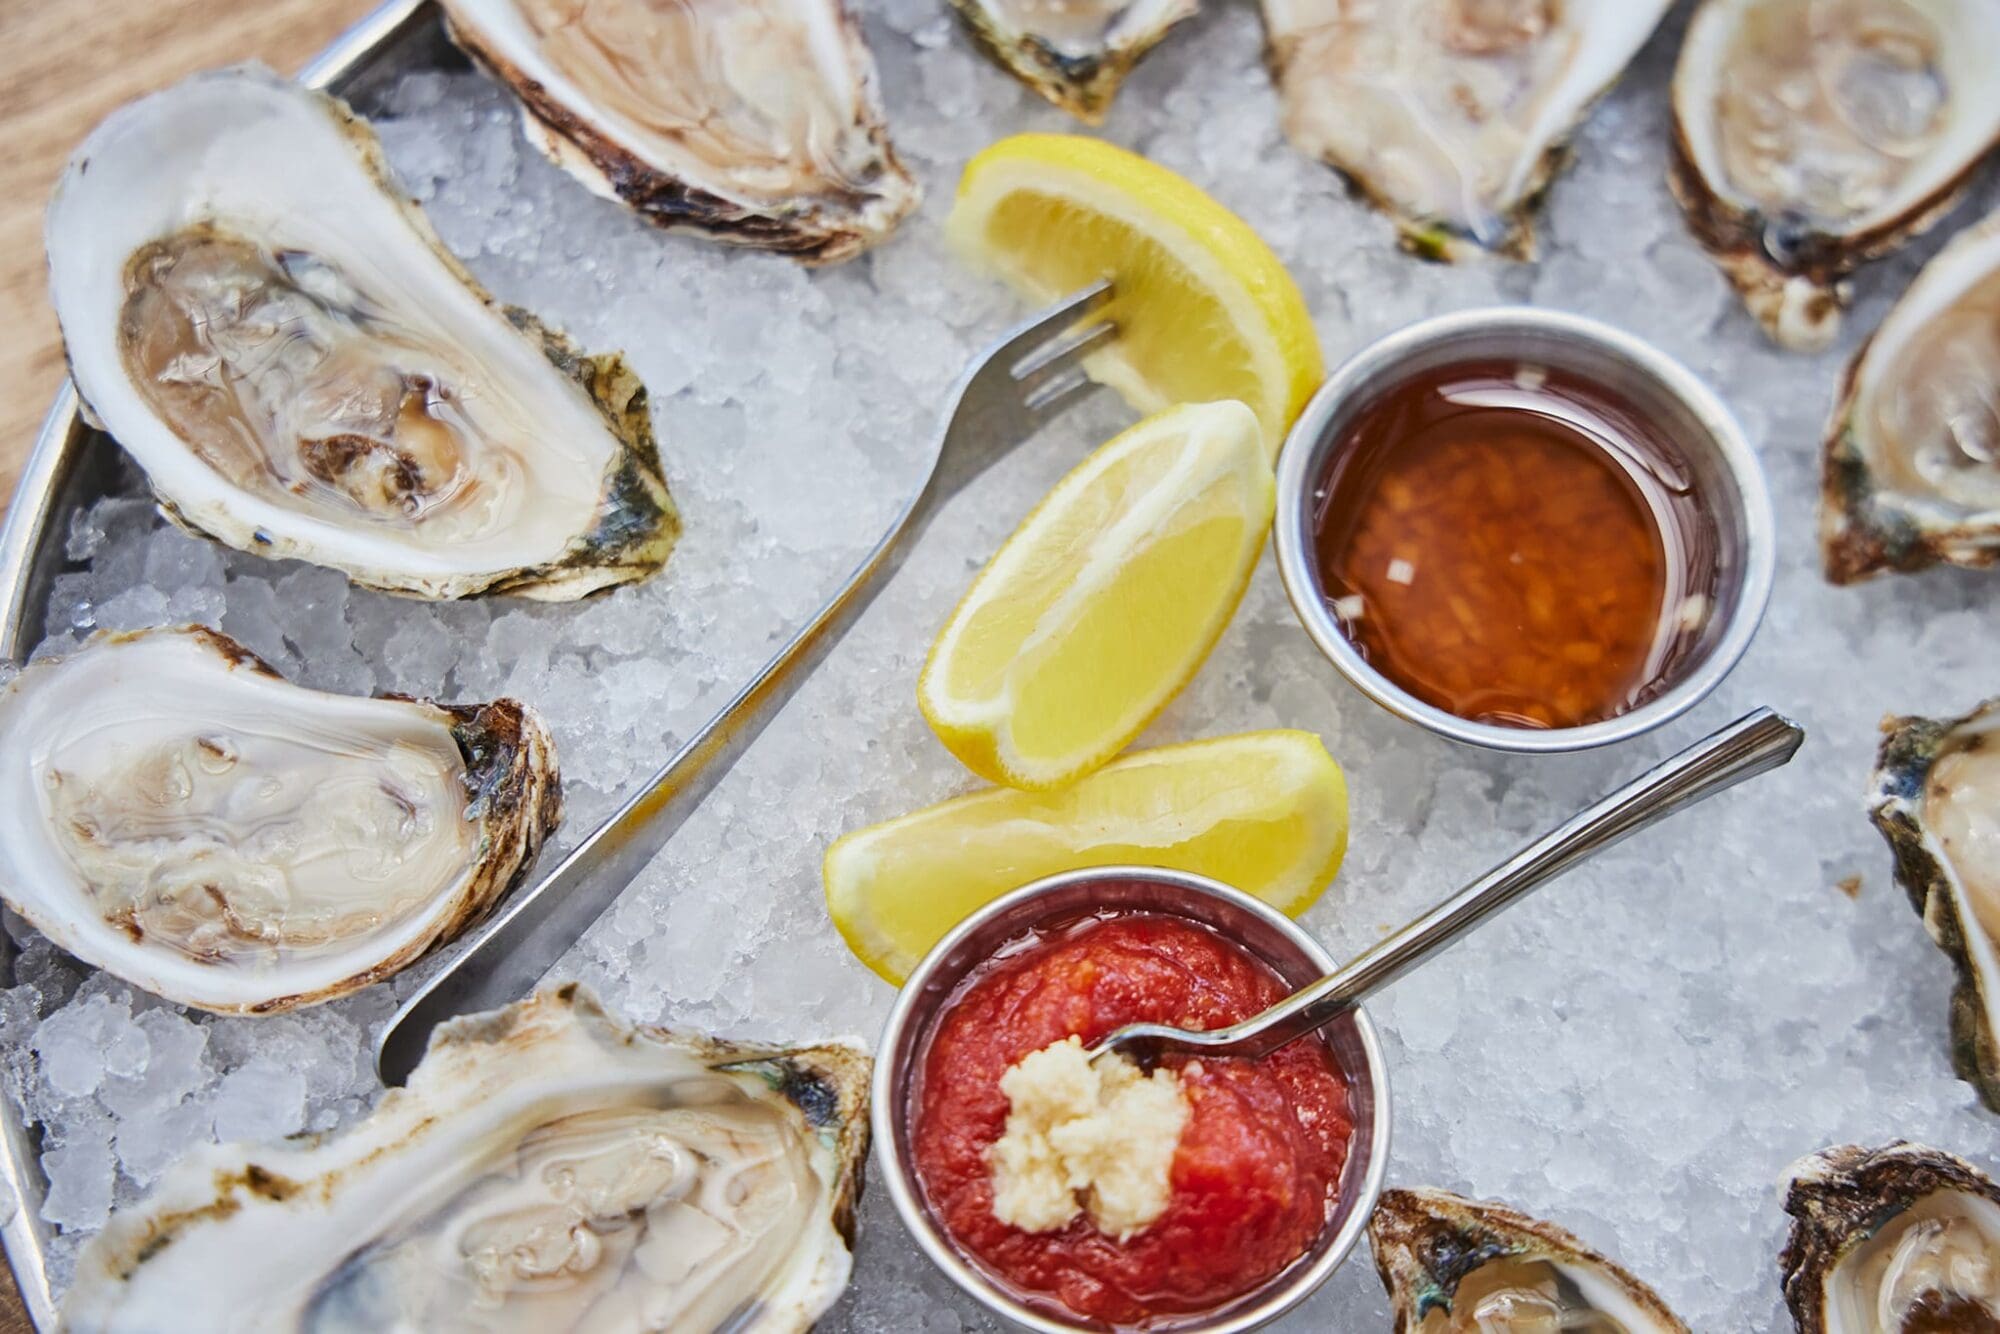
1204,310
1105,600
1263,811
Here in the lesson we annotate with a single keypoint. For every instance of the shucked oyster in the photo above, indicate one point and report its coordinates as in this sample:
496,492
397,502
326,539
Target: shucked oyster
1450,115
1912,470
752,121
1814,135
274,332
1457,1266
1936,798
549,1169
175,813
1897,1240
1073,52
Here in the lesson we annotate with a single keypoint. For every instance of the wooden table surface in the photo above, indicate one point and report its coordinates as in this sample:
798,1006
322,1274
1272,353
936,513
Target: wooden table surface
62,67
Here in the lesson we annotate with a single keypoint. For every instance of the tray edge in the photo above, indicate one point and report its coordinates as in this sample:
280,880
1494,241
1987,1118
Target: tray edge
67,456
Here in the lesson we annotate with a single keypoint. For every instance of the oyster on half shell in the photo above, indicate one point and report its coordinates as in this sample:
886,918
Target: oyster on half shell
755,122
1911,475
1896,1240
548,1170
1073,52
1811,136
1458,1266
1450,115
1935,796
269,326
177,814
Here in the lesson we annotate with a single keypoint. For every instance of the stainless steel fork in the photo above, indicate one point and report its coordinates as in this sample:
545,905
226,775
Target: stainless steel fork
1027,377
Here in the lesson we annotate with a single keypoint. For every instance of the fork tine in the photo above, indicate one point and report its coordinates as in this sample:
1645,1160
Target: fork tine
1024,338
1065,349
1051,396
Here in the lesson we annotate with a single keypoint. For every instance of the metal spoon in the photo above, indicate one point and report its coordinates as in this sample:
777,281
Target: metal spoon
1753,744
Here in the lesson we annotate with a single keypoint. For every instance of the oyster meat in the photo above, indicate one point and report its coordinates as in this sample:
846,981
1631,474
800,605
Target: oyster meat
1450,115
1912,462
1936,797
1811,136
750,121
1073,52
175,813
272,330
1458,1266
1897,1240
548,1169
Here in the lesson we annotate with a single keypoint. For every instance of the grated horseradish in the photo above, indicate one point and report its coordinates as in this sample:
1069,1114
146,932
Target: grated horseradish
1085,1137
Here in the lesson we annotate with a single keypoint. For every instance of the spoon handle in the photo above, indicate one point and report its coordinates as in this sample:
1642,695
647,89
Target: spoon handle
1753,744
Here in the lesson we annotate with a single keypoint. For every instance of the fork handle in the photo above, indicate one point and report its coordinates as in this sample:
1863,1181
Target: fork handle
533,927
538,923
1755,743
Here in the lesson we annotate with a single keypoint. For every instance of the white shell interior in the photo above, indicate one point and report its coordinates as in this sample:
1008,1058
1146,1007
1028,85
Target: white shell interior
275,833
392,1224
1971,259
1970,56
1638,1053
791,68
1872,1287
271,161
1378,100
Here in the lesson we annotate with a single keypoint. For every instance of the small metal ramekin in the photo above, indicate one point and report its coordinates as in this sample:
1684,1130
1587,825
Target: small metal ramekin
1262,930
1724,468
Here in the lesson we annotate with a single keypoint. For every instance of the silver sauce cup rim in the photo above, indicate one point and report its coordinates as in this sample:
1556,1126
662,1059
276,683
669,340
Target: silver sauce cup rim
905,1039
1351,386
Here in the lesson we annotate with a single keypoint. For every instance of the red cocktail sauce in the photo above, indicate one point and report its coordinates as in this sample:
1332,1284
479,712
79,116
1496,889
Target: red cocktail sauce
1258,1168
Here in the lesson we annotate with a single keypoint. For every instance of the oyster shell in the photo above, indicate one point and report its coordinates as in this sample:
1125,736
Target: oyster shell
755,122
1451,1264
1073,52
1935,795
1912,466
1450,115
548,1168
1896,1240
272,330
1811,136
175,813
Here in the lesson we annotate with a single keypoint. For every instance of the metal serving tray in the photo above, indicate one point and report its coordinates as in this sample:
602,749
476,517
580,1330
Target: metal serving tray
72,465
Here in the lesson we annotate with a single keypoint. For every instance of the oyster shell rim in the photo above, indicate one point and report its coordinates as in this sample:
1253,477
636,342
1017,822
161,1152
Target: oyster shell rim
1910,745
610,170
1838,1195
638,524
1732,231
1405,1216
826,1082
514,785
1440,240
1083,85
1859,537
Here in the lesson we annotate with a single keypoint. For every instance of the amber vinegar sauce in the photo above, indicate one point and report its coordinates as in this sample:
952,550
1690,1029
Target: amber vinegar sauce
1514,545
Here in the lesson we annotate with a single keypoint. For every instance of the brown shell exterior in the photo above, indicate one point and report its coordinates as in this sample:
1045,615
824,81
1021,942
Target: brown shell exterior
1427,1242
1844,1194
815,235
1895,803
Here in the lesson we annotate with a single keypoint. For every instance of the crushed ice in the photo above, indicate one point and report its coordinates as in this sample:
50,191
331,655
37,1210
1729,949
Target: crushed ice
1637,1053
